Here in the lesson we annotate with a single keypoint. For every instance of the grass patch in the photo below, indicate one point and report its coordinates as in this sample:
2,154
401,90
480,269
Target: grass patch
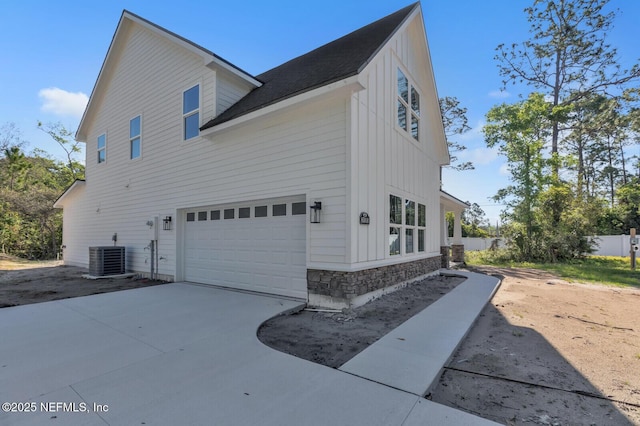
608,270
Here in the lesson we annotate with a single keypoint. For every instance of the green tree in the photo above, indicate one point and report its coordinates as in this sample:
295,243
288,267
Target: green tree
15,164
454,119
30,183
519,131
567,57
10,136
474,222
64,138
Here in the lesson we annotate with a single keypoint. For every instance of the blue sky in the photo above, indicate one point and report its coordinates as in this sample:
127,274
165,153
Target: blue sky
52,52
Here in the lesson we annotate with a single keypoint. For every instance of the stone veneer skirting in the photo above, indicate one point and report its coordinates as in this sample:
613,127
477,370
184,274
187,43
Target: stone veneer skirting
445,256
340,288
457,252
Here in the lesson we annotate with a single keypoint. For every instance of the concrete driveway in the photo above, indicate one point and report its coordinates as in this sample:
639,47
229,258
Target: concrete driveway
180,354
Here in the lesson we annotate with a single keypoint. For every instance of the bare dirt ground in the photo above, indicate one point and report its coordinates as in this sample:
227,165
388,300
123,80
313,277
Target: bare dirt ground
333,338
549,352
24,282
543,351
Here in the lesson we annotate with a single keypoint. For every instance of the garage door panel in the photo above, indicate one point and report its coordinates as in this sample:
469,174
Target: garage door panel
266,254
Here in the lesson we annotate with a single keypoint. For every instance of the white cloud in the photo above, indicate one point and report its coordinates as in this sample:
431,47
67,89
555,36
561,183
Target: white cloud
499,94
61,102
482,156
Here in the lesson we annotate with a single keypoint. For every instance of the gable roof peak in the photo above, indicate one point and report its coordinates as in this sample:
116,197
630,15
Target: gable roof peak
335,61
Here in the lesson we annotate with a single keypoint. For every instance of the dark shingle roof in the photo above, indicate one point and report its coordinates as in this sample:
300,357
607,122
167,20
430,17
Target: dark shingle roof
332,62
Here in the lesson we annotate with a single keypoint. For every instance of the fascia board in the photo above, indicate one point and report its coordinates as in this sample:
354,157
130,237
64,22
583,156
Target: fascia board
351,84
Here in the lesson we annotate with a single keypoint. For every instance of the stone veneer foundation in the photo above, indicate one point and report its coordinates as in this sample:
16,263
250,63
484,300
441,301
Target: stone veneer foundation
341,289
445,256
457,252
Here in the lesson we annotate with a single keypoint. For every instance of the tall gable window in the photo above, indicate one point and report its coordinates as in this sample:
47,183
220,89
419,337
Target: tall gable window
408,106
191,112
102,148
135,138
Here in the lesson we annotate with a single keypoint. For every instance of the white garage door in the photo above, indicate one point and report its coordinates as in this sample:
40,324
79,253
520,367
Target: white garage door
258,246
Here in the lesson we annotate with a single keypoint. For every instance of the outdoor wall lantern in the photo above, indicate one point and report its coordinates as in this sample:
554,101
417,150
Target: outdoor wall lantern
364,218
315,212
166,223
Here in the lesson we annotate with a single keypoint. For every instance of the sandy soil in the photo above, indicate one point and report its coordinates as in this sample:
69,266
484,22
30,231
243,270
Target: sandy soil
543,352
23,282
333,338
548,352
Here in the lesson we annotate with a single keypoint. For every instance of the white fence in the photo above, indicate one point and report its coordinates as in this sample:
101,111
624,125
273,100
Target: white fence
607,245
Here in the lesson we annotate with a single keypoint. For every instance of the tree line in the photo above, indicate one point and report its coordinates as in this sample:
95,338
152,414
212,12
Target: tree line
30,183
567,142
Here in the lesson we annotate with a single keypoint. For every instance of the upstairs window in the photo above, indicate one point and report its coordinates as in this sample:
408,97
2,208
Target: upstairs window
191,112
408,106
135,139
102,148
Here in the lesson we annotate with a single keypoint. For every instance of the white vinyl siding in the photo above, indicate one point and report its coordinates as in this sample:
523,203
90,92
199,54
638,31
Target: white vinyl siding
230,89
298,151
346,152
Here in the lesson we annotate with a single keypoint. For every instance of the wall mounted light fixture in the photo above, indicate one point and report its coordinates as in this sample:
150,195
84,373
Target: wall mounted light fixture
314,217
166,223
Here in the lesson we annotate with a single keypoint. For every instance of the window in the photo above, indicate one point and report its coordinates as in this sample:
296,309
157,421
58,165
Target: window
395,218
422,223
135,130
406,220
215,214
394,241
191,112
395,210
202,216
279,210
229,213
260,211
191,217
244,212
410,222
299,208
102,148
408,106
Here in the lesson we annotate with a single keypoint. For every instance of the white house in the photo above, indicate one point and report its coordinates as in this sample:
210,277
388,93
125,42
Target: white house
229,167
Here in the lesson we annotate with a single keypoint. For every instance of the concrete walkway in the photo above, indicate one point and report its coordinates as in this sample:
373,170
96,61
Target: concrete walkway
421,346
182,354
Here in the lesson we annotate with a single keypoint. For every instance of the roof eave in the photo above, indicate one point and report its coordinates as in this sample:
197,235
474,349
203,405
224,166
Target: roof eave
58,204
349,84
452,202
209,58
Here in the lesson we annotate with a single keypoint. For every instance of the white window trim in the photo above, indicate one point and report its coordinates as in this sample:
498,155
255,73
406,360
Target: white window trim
403,226
192,112
139,137
103,149
410,113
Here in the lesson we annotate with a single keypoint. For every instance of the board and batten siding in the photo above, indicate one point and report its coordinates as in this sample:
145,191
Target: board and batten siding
386,160
297,151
